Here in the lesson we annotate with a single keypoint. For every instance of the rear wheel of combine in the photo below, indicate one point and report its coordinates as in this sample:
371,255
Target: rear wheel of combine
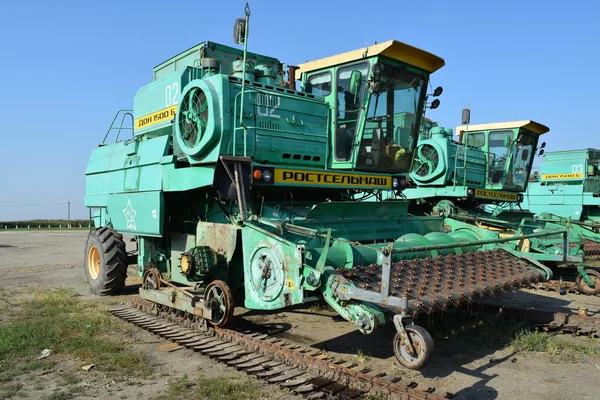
421,342
105,261
583,286
219,298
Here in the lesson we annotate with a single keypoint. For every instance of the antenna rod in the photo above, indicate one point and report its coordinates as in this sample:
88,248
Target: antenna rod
247,12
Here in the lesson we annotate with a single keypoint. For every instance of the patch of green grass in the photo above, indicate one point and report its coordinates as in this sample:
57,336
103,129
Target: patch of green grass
67,394
213,389
62,395
7,376
375,397
561,349
361,356
39,386
69,378
5,299
8,390
61,322
461,333
319,306
35,365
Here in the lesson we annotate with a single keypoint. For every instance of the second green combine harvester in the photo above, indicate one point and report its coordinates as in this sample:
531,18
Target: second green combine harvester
240,190
480,179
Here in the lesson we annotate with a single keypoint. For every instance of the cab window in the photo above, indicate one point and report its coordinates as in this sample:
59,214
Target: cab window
348,109
319,84
476,139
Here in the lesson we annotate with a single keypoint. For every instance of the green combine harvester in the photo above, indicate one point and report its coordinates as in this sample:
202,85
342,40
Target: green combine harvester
480,179
566,193
241,190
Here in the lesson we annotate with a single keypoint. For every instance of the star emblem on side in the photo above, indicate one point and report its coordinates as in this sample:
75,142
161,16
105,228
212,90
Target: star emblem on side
130,216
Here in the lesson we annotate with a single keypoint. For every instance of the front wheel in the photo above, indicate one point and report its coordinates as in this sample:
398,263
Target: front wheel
584,287
421,342
105,261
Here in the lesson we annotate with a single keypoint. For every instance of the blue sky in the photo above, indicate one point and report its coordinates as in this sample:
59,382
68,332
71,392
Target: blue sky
68,66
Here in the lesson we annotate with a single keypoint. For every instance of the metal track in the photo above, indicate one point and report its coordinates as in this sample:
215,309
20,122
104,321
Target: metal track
556,322
304,371
555,285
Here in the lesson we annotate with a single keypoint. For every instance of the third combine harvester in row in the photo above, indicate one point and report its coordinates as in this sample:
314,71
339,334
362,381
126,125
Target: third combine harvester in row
243,190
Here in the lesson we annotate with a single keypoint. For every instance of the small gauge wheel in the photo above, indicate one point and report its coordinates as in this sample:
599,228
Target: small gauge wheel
422,343
151,279
583,286
218,297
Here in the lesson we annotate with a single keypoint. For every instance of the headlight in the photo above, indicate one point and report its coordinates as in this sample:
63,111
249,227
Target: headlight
267,175
395,183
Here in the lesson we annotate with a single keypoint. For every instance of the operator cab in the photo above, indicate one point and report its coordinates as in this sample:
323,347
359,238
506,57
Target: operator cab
510,148
376,98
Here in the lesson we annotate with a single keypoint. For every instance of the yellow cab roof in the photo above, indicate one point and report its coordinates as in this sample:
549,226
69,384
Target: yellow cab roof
392,49
533,126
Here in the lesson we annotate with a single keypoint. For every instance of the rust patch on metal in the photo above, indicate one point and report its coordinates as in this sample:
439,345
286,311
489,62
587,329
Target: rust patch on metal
591,248
222,238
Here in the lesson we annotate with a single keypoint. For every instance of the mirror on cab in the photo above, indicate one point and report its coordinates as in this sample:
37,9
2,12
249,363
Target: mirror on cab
438,91
435,104
541,152
355,82
239,31
543,145
466,116
377,68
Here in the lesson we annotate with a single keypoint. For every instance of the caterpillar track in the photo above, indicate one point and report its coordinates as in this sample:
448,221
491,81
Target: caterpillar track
303,371
556,322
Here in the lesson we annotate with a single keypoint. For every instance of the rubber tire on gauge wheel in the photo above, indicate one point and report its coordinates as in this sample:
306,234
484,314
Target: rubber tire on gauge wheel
422,342
105,261
595,276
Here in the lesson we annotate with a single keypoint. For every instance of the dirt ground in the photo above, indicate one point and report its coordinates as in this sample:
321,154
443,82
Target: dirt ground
44,260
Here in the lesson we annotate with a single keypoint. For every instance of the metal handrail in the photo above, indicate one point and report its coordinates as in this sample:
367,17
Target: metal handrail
124,114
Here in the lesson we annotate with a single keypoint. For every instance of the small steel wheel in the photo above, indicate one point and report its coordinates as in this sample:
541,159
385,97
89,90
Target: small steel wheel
151,279
583,286
422,343
218,297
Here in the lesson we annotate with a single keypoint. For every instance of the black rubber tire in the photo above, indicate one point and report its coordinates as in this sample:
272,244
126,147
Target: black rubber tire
112,253
595,276
422,342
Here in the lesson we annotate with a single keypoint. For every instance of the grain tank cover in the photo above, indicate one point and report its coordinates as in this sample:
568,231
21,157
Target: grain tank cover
226,55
